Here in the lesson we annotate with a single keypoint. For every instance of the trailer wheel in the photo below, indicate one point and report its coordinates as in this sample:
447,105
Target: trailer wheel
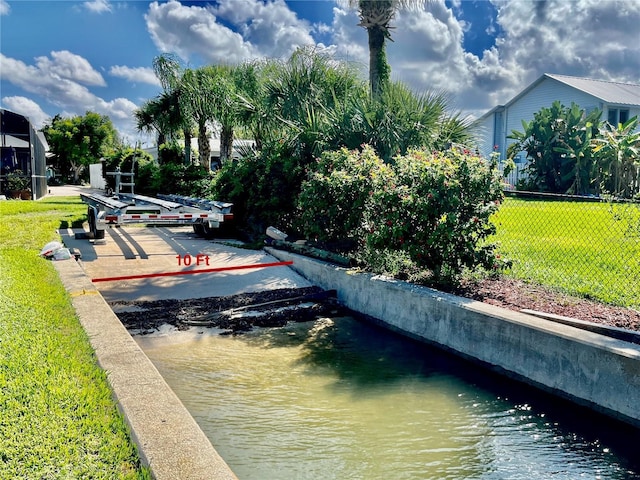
97,234
198,228
207,231
92,219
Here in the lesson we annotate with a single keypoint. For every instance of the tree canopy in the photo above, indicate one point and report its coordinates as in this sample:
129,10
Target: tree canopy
80,141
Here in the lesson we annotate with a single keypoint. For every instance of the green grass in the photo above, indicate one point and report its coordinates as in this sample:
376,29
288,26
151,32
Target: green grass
57,415
576,247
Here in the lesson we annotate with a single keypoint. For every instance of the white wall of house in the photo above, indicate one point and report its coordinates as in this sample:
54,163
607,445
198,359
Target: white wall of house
541,96
485,130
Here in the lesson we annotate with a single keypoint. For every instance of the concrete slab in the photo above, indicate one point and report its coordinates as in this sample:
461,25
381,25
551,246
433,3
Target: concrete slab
135,250
69,190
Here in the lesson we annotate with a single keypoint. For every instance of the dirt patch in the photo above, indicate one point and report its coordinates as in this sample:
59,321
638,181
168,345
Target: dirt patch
234,314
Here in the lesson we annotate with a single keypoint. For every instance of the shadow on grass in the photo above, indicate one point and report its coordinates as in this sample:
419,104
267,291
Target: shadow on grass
75,223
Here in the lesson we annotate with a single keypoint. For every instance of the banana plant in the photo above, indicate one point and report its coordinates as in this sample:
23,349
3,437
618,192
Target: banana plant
557,144
617,150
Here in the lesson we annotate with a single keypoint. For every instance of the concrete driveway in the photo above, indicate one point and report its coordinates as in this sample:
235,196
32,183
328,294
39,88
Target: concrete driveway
137,250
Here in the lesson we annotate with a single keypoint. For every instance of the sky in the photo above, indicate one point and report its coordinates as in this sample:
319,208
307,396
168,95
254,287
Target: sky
68,57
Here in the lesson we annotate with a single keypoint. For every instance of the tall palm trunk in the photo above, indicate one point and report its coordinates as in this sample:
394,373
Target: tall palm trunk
375,16
203,145
379,71
187,146
226,144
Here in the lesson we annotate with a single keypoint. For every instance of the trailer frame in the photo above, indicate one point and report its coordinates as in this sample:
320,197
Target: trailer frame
127,208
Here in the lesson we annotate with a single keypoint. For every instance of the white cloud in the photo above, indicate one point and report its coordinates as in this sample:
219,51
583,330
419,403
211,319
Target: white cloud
46,80
136,74
350,40
587,38
272,27
98,6
27,107
69,66
5,9
194,30
231,32
427,51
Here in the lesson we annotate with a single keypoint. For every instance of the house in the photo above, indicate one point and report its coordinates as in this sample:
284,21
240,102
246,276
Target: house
23,154
617,101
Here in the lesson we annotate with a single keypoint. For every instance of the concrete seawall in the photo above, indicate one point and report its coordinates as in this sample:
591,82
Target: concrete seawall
599,372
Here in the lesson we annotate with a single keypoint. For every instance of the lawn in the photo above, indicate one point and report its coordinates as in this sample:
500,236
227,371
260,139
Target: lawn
588,249
57,415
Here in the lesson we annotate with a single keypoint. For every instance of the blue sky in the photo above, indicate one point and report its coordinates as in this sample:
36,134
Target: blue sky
67,57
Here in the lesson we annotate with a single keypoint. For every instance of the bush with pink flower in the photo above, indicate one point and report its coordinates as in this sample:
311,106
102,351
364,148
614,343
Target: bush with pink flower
424,217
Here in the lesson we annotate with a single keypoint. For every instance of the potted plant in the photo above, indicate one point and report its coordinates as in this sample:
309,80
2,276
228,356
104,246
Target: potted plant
18,185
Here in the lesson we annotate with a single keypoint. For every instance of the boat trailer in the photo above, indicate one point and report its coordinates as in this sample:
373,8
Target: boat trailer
127,208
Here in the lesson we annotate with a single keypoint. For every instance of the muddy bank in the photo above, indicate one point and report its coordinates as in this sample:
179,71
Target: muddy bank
234,313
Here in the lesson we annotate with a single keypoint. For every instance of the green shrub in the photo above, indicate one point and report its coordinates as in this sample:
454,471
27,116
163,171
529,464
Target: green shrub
333,198
170,153
123,158
262,187
145,179
180,179
424,218
436,210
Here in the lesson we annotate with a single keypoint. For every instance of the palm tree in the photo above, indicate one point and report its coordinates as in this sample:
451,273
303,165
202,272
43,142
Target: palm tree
375,17
302,94
398,121
250,79
162,115
170,72
196,98
150,118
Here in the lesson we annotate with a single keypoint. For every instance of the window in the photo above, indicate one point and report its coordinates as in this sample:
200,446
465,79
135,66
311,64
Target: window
617,115
624,116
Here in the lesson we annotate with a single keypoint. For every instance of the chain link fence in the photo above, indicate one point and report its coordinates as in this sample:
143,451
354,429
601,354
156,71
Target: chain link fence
583,246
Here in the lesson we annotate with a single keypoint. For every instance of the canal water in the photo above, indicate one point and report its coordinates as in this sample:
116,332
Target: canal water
343,399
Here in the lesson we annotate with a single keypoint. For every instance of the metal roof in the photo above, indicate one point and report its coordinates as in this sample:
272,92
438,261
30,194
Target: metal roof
608,92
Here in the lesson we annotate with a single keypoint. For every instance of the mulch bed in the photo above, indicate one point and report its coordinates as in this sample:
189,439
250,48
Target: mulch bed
517,295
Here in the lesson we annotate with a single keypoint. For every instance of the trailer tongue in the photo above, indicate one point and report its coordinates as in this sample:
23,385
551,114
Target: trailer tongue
106,212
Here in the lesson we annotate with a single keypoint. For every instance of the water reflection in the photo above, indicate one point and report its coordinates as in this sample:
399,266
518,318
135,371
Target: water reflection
341,399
